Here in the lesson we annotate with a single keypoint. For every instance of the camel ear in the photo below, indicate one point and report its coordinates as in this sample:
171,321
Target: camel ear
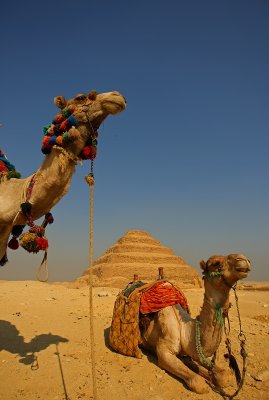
92,95
60,102
203,265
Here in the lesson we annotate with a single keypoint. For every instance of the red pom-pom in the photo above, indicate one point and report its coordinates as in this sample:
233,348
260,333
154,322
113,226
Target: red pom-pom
42,243
63,126
87,151
45,140
13,244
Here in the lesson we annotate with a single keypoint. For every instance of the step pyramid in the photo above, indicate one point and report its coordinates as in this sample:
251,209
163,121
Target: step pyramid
137,252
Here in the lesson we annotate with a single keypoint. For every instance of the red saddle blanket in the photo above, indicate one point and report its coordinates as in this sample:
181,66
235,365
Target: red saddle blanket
161,294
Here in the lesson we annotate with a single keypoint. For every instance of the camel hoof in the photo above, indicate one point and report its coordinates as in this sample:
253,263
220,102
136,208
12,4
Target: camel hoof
198,385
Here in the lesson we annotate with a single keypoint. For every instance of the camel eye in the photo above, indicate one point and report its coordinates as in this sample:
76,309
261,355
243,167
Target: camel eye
217,264
81,98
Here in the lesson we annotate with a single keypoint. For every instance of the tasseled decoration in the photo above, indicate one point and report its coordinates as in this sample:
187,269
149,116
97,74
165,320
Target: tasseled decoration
35,240
26,208
16,232
13,174
88,153
13,243
57,133
49,219
33,243
72,121
3,260
6,168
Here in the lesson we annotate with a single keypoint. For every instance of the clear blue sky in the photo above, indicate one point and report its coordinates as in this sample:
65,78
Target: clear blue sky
188,159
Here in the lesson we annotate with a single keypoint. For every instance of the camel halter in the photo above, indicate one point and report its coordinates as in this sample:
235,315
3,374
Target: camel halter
209,364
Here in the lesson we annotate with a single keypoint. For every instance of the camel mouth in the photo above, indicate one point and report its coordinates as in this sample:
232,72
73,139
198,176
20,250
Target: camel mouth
243,272
241,269
116,106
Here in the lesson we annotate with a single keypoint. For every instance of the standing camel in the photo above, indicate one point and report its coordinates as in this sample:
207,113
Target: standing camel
172,332
70,138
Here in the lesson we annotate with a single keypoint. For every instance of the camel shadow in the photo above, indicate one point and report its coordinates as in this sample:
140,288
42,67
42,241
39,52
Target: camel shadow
11,341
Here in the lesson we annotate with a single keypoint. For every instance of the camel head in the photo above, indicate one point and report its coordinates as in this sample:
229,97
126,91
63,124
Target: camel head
93,108
75,128
219,270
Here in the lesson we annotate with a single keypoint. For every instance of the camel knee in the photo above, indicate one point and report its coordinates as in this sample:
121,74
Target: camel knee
222,377
197,384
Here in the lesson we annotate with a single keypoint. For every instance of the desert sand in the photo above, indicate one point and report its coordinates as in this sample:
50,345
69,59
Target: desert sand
45,346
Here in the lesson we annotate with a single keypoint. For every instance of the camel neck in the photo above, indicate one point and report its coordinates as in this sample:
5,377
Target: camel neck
52,180
211,318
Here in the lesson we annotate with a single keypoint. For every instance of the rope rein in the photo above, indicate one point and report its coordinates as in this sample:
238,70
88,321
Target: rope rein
90,180
233,363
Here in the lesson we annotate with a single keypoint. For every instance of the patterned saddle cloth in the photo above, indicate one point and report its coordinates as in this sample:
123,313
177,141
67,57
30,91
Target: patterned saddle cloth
138,301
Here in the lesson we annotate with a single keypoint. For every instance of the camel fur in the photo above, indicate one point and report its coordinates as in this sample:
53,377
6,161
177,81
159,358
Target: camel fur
53,178
172,332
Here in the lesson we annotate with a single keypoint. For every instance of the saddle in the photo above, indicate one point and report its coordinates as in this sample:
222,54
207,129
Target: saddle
134,307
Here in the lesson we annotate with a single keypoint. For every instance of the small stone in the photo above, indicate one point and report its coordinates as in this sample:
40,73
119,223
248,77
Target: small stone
103,294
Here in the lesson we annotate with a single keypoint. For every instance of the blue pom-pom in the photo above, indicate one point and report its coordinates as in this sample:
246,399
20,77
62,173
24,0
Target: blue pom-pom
71,121
52,140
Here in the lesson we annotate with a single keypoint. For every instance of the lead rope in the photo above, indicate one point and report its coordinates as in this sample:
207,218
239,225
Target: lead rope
90,180
242,339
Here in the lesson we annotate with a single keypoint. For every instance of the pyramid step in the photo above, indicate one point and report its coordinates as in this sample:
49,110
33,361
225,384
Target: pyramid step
139,248
144,258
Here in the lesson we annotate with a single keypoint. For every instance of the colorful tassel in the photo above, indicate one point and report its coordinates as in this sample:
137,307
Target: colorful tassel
26,208
13,243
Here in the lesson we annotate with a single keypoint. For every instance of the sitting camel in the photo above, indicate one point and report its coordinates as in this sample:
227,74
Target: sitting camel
167,329
70,138
172,332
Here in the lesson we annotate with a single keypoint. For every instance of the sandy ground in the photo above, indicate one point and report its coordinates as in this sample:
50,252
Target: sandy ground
45,347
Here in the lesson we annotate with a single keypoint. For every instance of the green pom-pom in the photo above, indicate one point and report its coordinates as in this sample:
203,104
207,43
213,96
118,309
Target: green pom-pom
65,136
66,113
45,129
13,174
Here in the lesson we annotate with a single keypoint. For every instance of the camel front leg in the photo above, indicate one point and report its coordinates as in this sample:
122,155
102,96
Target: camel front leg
169,361
221,375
